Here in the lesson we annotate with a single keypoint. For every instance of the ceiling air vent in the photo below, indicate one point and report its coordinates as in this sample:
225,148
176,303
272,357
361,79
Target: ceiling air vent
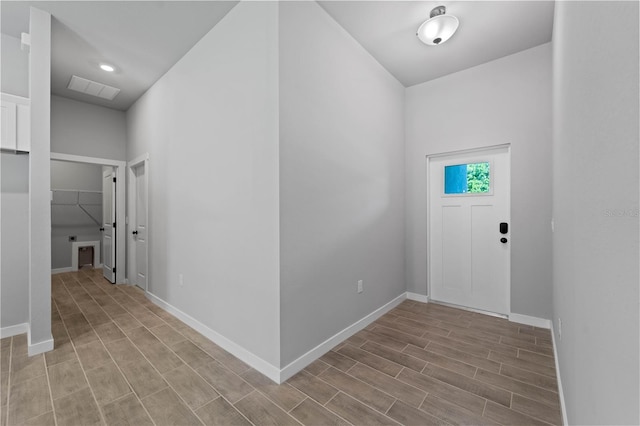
92,88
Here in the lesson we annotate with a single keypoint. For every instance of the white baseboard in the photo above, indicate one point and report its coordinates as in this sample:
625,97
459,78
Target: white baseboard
61,270
418,297
39,347
336,339
528,320
14,330
233,348
563,407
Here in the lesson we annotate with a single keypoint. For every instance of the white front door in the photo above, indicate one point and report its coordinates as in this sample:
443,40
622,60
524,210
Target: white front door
140,226
109,224
469,235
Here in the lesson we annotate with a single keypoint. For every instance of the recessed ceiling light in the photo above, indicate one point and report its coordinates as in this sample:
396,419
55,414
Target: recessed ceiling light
107,67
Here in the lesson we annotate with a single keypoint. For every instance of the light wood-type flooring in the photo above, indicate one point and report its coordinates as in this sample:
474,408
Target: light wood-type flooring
119,359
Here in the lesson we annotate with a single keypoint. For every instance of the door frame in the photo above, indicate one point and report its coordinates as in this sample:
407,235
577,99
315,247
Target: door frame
470,151
131,218
119,167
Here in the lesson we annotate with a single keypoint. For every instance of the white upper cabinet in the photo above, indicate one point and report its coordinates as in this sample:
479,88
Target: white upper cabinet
15,125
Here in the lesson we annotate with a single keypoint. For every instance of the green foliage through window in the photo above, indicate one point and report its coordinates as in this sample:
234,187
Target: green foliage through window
467,178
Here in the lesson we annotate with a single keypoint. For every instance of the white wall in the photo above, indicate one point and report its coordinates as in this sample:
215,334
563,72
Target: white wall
210,126
14,258
78,128
15,67
341,180
503,101
595,243
67,220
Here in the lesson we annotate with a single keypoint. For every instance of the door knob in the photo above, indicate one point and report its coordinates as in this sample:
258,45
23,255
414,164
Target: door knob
503,240
135,232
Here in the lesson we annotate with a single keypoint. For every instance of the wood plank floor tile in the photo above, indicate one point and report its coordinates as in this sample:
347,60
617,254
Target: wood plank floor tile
313,387
284,395
358,389
142,377
473,386
78,408
464,357
338,361
191,354
29,399
62,351
516,386
408,415
193,390
166,408
66,378
523,364
537,358
545,382
356,412
310,412
316,367
126,411
126,321
167,335
220,412
373,361
400,358
538,410
452,413
107,383
46,419
401,337
93,355
260,411
370,336
531,347
468,400
441,360
394,387
506,416
226,382
25,367
123,351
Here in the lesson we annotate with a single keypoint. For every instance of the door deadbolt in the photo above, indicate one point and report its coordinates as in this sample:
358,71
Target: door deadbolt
503,240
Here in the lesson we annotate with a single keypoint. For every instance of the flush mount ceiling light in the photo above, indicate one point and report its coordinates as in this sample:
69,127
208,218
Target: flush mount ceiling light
438,28
107,67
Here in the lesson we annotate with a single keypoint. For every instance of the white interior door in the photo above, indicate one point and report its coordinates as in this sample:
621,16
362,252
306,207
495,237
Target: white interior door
109,224
140,226
469,249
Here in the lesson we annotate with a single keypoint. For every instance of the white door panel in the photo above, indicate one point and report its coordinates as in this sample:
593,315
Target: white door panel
140,225
108,228
469,265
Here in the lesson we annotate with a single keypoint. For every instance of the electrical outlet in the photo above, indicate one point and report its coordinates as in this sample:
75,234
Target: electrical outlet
559,329
360,286
180,280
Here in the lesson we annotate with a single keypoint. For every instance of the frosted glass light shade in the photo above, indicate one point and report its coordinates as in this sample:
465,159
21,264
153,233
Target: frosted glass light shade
438,29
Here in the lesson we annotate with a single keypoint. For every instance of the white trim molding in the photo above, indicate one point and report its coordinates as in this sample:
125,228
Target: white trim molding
233,348
528,320
336,339
61,270
14,330
563,407
79,244
417,297
274,373
39,347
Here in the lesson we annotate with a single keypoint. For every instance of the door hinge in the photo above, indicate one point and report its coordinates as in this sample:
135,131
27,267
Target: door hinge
114,179
114,225
114,270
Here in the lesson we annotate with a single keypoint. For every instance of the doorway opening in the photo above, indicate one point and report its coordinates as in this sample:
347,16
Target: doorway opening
88,204
468,219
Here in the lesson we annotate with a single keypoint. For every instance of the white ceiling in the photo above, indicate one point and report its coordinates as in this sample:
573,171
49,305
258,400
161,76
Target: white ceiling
488,30
143,39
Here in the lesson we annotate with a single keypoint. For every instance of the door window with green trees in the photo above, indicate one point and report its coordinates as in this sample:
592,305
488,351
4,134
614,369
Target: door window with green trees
471,178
